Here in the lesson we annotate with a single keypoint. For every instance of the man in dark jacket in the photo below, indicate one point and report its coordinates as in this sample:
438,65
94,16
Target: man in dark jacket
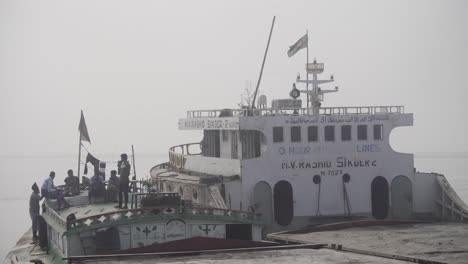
72,184
124,170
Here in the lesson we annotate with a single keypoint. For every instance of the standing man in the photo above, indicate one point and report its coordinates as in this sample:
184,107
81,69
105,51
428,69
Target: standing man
124,170
34,210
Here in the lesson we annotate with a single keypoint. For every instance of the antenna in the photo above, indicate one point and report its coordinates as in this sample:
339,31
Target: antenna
263,63
317,93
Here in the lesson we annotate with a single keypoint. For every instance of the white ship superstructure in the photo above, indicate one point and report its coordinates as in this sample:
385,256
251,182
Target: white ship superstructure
296,165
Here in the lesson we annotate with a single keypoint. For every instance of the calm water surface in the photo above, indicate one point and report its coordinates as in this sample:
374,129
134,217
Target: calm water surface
19,173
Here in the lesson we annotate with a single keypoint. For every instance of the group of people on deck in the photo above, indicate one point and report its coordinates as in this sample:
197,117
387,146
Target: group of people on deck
114,185
97,188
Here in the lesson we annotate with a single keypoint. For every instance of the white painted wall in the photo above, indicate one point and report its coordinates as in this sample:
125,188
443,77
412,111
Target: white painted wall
233,190
424,192
215,166
257,233
270,167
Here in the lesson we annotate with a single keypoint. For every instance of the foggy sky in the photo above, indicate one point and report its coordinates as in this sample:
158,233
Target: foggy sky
135,67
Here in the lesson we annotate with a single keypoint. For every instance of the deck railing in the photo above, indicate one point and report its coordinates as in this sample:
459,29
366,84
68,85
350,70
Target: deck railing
160,213
177,154
184,158
354,110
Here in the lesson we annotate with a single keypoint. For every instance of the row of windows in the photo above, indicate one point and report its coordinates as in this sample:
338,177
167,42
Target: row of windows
329,132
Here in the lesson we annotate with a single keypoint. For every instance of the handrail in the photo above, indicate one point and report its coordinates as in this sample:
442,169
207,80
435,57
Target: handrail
349,110
104,257
177,154
184,148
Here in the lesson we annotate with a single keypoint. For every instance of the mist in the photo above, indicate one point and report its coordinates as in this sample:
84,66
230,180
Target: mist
135,67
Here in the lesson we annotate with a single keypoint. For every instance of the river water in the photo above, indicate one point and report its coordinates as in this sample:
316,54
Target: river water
19,173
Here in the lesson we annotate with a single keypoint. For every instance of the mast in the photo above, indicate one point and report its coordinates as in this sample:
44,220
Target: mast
84,135
133,161
316,95
263,63
307,73
79,157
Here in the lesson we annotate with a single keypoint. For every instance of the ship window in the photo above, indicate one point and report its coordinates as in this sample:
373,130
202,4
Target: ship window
277,134
329,133
346,132
224,135
378,132
296,134
362,132
312,132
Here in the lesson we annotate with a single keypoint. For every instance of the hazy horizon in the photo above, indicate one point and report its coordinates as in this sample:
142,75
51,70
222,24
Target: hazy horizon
134,68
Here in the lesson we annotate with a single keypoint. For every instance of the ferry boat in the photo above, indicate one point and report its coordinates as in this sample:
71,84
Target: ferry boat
299,165
256,170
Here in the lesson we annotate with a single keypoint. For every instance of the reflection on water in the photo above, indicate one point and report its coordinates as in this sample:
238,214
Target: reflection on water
19,173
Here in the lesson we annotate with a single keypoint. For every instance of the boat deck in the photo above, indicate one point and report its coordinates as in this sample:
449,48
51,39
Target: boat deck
444,242
437,242
24,251
88,210
325,256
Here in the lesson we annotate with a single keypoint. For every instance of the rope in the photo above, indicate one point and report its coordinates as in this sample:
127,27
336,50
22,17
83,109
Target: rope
106,161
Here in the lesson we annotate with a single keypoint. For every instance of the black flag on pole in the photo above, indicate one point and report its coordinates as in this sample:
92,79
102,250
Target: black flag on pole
83,129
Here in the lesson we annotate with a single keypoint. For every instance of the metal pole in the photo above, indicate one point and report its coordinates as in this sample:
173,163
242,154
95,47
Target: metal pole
134,173
133,160
79,158
263,63
307,73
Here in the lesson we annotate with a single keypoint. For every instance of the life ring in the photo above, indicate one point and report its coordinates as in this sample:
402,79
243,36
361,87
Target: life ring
294,93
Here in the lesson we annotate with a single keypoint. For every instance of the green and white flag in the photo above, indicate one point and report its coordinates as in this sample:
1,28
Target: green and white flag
300,44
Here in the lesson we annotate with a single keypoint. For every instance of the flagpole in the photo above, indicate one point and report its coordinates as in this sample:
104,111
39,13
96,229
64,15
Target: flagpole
307,73
133,161
79,158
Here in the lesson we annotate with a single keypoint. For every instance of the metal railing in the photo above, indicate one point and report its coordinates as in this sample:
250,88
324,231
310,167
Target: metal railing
353,110
177,154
